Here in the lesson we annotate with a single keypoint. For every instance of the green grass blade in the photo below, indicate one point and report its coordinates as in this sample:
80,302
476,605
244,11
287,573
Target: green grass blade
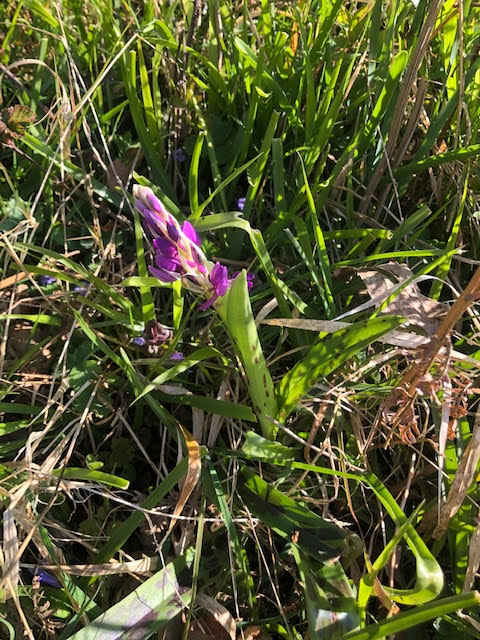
193,178
408,619
76,473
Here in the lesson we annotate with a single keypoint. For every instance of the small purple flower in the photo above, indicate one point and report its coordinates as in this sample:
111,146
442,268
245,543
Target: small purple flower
176,356
44,281
250,278
219,281
155,333
241,203
46,578
179,155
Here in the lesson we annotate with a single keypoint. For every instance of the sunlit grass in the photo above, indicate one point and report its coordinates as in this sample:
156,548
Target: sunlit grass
331,149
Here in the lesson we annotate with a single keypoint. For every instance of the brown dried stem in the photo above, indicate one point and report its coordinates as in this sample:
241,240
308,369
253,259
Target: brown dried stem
417,371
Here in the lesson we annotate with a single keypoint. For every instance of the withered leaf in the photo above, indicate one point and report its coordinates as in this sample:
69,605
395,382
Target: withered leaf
421,311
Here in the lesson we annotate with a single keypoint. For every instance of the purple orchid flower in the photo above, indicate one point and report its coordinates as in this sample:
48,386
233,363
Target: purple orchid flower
178,253
219,282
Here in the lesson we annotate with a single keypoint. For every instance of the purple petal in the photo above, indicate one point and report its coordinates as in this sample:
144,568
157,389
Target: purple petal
172,230
155,203
44,281
140,206
152,222
208,303
163,246
139,341
46,578
176,356
191,233
241,203
219,279
164,276
166,264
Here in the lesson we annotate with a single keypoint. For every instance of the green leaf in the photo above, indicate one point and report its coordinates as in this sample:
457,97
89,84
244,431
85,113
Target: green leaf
238,318
325,356
408,619
145,610
212,405
77,473
285,515
263,449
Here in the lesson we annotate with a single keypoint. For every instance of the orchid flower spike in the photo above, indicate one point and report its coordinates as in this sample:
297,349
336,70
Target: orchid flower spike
177,250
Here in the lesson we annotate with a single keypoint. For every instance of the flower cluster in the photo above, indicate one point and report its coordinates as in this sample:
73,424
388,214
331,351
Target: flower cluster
178,252
154,338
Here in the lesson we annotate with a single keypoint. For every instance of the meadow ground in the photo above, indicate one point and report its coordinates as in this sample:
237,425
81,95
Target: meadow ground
190,456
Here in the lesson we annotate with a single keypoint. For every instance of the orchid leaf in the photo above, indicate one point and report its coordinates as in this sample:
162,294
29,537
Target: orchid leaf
236,312
325,356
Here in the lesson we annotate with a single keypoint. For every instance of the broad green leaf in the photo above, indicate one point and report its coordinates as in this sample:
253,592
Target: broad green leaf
145,610
325,356
263,449
240,324
145,281
212,405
